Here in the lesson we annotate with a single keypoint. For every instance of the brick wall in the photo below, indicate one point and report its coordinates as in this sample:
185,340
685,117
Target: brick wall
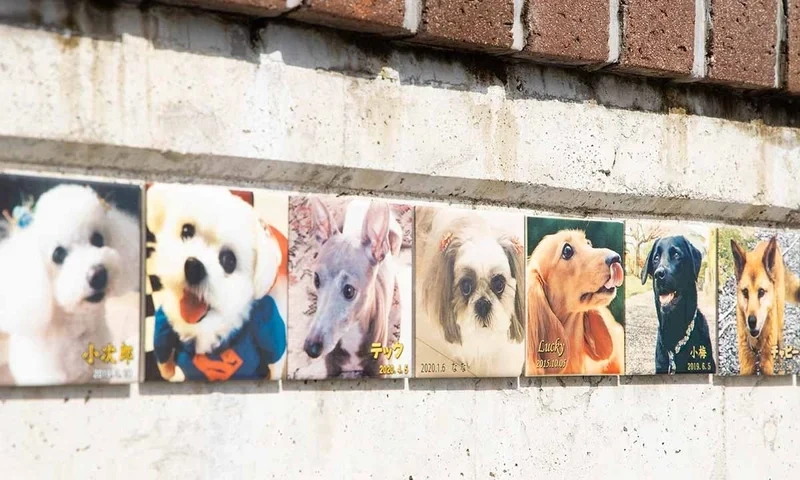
750,44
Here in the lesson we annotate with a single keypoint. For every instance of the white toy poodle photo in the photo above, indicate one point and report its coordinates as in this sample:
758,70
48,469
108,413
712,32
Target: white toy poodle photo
58,271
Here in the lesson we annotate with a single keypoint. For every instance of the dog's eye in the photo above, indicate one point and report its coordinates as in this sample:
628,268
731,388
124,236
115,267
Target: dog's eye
588,242
498,284
349,292
567,252
187,231
761,292
746,294
316,281
656,258
59,255
227,260
466,287
97,240
676,255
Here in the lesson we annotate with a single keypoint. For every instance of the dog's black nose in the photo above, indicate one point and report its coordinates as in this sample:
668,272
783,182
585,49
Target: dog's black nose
613,258
194,270
98,278
313,349
660,273
483,307
751,322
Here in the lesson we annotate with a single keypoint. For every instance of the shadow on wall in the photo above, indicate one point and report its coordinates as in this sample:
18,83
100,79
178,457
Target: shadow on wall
363,56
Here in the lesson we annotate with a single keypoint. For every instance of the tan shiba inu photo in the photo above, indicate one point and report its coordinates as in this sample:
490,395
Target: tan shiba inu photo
759,326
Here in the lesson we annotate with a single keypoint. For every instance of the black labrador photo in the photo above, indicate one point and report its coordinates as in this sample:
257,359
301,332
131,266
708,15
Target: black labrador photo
684,343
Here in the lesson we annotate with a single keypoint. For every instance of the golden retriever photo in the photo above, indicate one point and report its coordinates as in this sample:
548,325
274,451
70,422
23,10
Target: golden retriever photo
759,318
575,279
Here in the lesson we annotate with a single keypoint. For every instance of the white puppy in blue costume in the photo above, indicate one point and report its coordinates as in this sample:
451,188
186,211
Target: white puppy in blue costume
219,266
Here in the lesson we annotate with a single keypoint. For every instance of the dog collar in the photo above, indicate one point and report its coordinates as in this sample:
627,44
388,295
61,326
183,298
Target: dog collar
680,344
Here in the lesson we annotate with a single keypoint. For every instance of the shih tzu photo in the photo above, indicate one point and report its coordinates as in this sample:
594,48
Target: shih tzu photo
470,312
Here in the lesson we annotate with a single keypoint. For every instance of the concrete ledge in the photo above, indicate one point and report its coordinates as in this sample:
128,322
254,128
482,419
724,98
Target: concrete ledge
151,165
316,108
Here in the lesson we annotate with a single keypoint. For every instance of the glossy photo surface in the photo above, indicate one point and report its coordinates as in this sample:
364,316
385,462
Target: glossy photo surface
350,291
671,297
575,297
216,284
759,291
470,316
70,273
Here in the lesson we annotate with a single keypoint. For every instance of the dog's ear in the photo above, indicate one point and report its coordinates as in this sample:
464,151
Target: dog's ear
375,230
438,288
697,258
423,219
770,256
647,269
157,200
599,345
544,329
28,290
323,225
125,239
515,255
269,256
395,237
739,258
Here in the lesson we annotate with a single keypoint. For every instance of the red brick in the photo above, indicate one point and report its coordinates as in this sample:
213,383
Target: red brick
258,8
483,25
658,37
370,16
567,31
742,45
793,44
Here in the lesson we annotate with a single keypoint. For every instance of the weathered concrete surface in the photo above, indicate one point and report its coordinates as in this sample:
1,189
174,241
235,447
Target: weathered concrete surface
644,427
192,83
170,94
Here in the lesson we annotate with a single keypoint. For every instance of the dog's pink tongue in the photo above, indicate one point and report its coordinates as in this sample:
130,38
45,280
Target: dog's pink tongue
617,275
192,308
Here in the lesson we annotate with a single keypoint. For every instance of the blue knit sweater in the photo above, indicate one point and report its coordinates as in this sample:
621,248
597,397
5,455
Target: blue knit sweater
246,353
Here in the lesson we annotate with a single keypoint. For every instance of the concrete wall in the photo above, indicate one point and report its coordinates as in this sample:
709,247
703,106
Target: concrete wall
184,95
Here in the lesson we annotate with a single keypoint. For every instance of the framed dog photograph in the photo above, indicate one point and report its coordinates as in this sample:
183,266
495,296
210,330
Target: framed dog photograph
575,297
70,273
350,298
470,313
216,283
670,297
759,292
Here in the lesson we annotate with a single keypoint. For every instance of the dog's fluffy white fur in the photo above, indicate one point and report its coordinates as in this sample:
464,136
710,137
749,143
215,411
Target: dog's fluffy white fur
220,219
463,246
46,309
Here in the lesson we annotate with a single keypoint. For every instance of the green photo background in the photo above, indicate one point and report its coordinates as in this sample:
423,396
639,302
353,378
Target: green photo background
601,234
